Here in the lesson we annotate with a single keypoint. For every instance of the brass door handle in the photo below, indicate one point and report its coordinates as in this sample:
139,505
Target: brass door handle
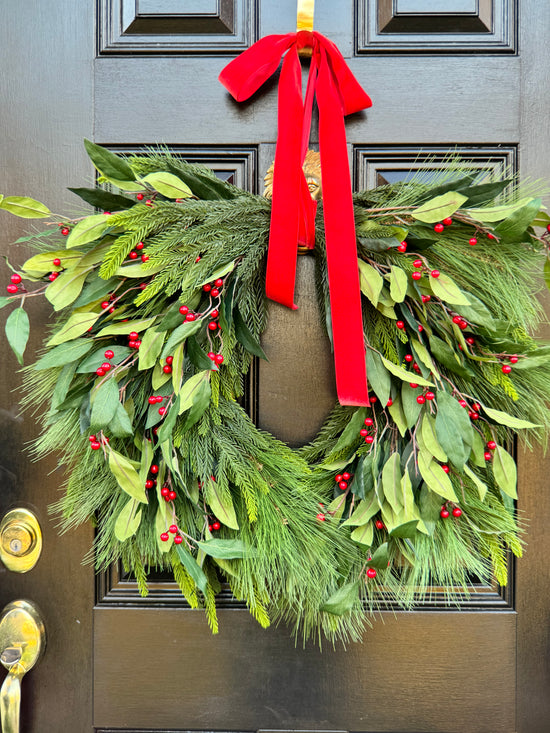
22,642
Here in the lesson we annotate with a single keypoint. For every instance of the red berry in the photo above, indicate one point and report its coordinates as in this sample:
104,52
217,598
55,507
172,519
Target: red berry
95,445
514,359
389,403
476,406
172,495
409,358
400,324
445,467
65,231
369,439
164,491
439,228
53,276
139,196
346,476
463,325
487,455
506,368
109,354
133,255
214,314
426,298
56,262
218,283
167,369
472,242
490,235
416,276
219,359
190,317
159,398
207,288
152,400
133,335
413,385
463,403
162,411
379,524
140,245
149,484
211,355
491,445
369,421
154,468
444,513
448,221
184,310
106,366
142,286
373,399
214,292
435,273
470,340
474,415
402,247
169,359
100,372
173,528
132,344
420,328
371,573
417,263
165,537
321,517
457,319
421,399
92,438
338,478
343,485
213,326
216,525
12,288
430,396
363,432
16,278
178,539
144,258
457,511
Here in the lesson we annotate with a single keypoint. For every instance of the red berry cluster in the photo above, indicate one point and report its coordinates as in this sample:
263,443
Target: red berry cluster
152,482
173,529
473,411
189,315
456,511
133,340
96,442
157,399
461,322
440,226
507,368
214,288
14,285
167,366
134,254
167,493
367,432
108,304
491,446
342,480
402,247
104,368
214,525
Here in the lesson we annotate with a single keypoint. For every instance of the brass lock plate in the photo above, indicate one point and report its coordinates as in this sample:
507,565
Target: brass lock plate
20,540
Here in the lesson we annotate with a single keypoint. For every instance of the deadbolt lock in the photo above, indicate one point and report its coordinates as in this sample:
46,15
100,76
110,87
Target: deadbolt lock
20,540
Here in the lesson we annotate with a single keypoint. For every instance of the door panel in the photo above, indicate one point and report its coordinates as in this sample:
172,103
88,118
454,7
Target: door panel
450,75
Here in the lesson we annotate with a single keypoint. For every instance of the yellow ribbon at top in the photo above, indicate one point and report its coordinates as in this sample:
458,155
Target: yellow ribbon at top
304,19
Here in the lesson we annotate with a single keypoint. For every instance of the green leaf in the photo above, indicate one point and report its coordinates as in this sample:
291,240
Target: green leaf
169,422
127,477
226,549
128,521
178,335
337,506
435,477
189,390
177,367
88,230
43,262
503,418
162,521
220,272
168,185
371,282
484,192
407,529
197,356
245,337
25,207
423,355
107,163
478,449
192,567
226,307
121,425
380,558
204,185
139,270
397,415
378,376
97,357
105,399
76,325
445,288
364,511
391,482
201,401
429,504
221,504
151,346
477,312
17,332
515,225
364,534
411,408
102,199
342,600
63,384
123,328
445,355
64,354
66,288
453,429
350,433
403,374
399,283
374,244
496,213
431,442
505,471
439,208
479,484
547,273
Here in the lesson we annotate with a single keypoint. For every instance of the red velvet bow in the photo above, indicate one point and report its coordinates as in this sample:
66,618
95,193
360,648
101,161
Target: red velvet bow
293,211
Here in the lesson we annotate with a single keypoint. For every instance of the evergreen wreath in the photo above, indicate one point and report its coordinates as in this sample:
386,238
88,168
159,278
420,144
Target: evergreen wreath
161,309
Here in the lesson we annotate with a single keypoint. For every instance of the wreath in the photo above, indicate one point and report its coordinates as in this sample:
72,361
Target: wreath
160,310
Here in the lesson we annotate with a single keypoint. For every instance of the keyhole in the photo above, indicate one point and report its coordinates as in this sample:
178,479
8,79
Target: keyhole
16,546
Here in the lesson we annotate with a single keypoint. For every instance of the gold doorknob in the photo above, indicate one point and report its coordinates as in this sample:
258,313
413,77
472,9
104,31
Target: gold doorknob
22,642
20,540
